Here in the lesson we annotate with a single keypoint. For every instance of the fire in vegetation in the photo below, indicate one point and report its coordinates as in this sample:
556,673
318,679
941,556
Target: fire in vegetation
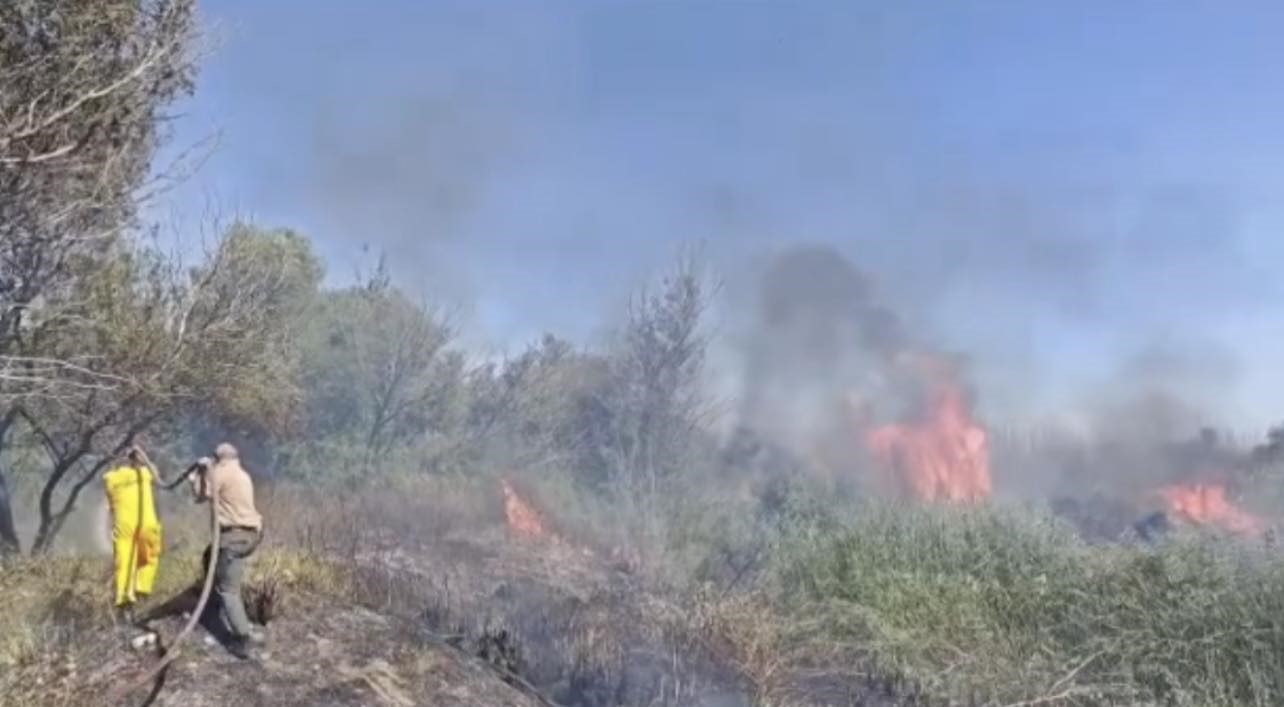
524,522
1206,504
522,518
942,453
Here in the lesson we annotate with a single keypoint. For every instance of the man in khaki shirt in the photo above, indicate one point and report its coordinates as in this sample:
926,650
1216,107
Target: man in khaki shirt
240,529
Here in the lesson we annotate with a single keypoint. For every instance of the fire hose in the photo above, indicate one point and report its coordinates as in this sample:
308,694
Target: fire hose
168,655
156,672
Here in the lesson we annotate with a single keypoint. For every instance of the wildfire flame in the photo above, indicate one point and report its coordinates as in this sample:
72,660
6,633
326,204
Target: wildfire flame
522,518
1206,504
525,522
944,454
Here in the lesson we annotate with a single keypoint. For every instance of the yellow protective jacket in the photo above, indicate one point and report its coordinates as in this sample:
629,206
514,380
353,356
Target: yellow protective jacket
136,531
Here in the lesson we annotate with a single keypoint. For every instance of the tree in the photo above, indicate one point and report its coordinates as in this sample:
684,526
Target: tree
8,531
213,341
646,421
262,284
83,84
83,87
375,371
530,412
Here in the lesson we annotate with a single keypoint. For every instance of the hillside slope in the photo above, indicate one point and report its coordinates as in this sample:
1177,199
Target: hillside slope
318,652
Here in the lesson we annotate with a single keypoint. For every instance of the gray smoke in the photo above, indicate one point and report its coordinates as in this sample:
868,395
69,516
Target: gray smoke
815,331
825,355
535,158
1151,424
405,176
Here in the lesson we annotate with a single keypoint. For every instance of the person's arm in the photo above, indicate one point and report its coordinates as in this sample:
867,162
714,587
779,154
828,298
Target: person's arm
146,460
200,480
200,491
187,476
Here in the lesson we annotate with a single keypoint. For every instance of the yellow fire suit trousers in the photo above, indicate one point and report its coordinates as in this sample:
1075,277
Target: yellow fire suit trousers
136,531
137,554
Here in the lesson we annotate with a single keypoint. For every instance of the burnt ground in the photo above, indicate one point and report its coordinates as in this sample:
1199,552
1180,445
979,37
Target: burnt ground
586,631
320,653
581,630
463,620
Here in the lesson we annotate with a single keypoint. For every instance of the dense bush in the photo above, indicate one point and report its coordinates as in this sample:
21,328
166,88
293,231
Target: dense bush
1012,606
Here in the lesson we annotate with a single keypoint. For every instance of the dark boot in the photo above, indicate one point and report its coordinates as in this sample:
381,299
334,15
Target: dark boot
239,646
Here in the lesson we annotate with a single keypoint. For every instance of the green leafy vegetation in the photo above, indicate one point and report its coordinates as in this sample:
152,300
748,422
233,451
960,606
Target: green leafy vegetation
1011,606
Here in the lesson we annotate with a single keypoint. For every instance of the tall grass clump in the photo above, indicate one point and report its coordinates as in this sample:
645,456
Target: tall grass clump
1006,607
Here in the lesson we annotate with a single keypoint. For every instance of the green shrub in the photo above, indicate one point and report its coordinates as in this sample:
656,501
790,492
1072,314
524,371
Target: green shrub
1011,607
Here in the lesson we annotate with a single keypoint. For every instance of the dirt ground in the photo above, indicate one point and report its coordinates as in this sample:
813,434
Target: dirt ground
317,655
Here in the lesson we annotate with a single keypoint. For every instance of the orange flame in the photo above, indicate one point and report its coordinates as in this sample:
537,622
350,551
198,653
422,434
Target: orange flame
522,518
526,522
1206,504
944,455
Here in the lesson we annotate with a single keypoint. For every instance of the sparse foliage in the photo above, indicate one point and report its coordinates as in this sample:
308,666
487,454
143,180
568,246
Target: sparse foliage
83,89
532,413
214,341
648,416
375,373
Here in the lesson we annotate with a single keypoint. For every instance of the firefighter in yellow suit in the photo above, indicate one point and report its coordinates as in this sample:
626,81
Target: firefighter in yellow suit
136,529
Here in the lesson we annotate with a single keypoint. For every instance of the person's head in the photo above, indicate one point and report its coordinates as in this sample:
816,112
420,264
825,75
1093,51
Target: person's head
225,452
135,455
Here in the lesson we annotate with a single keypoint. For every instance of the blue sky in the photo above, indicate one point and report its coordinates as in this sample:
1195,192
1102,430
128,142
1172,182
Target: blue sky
1057,188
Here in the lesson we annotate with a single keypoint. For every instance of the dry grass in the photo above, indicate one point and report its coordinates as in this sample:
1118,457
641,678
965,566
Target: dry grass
48,601
58,620
346,522
890,606
559,611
